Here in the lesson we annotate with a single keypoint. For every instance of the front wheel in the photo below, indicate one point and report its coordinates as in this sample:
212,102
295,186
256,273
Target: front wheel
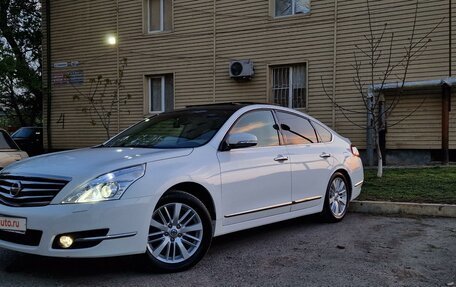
180,232
337,198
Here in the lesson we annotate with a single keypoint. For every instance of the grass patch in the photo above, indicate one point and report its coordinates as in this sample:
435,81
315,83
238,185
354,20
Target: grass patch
428,185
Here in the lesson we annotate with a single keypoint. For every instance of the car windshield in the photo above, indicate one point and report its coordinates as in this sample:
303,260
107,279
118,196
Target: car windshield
181,129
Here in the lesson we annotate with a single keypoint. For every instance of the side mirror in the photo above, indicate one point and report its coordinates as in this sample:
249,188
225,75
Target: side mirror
285,127
241,140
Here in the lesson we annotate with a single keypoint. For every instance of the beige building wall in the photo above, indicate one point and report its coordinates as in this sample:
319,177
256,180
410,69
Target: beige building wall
207,34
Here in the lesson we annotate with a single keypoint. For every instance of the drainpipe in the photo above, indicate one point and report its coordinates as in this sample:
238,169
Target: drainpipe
334,65
118,66
446,94
49,75
450,37
214,53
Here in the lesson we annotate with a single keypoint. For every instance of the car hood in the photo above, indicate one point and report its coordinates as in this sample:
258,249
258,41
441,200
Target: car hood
88,163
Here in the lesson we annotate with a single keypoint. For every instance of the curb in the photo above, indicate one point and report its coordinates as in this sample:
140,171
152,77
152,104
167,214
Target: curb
408,208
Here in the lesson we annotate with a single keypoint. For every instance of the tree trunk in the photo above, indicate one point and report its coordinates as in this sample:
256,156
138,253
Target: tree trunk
16,109
108,134
379,155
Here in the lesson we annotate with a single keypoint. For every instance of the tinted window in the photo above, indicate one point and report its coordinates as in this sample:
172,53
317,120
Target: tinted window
173,130
23,133
296,130
6,142
261,124
323,133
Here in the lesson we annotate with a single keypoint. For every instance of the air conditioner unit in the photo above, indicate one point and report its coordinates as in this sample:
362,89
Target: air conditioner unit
241,69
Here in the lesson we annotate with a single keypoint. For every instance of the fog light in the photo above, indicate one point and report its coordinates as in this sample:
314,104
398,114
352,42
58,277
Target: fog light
65,241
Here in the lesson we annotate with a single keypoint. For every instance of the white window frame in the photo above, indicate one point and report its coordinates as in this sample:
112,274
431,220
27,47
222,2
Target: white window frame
162,17
293,9
162,94
290,83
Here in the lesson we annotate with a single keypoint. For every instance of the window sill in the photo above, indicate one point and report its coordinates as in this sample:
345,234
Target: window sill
290,17
158,33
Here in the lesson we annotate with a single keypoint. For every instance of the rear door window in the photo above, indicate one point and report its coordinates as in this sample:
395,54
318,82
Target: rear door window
324,135
297,130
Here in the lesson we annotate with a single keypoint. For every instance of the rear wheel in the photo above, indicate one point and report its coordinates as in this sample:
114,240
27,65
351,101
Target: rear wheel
180,232
337,198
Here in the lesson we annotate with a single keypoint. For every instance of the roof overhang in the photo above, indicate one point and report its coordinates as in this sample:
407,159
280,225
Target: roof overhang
416,85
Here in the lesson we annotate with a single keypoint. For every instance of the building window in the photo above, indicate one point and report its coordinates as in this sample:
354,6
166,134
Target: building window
289,86
160,15
161,93
291,7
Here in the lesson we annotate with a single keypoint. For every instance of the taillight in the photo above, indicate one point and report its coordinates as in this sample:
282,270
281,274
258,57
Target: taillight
354,151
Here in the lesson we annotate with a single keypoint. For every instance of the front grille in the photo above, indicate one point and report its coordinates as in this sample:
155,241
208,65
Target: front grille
29,238
24,191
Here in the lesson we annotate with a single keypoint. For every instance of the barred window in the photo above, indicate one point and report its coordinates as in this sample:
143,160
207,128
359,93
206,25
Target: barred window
291,7
289,86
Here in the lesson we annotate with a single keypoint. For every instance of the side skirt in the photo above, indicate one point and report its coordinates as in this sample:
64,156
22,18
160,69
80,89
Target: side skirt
264,221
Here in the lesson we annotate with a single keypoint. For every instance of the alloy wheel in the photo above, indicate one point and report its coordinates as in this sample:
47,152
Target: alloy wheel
338,197
175,233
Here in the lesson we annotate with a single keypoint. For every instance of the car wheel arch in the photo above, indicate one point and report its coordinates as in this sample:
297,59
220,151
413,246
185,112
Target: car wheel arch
347,178
199,192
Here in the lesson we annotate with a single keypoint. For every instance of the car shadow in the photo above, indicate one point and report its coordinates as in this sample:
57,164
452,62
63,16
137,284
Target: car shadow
63,268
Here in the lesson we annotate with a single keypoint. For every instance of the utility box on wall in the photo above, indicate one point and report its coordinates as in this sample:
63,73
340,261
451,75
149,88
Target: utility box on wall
241,69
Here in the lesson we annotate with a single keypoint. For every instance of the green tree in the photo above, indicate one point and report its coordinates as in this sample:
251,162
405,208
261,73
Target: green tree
20,61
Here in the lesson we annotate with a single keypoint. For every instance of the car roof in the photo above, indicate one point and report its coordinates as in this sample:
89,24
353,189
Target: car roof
229,106
235,106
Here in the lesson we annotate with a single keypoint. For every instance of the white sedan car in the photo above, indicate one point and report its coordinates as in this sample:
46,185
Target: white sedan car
167,185
9,151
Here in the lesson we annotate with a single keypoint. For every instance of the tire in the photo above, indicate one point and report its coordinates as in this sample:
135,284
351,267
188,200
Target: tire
176,243
337,198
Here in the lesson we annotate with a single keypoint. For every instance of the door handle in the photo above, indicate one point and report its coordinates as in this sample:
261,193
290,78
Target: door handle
281,158
325,155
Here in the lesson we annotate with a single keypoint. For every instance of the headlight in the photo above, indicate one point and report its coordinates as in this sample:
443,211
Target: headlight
109,186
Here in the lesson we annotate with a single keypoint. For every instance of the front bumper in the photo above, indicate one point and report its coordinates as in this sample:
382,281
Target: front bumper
124,216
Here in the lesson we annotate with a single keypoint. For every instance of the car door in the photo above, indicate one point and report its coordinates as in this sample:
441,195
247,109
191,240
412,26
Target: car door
311,164
256,181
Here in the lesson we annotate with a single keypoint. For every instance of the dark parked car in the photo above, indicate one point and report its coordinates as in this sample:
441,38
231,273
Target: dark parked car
29,139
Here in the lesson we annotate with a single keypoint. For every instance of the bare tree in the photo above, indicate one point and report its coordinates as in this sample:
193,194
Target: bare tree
101,100
374,65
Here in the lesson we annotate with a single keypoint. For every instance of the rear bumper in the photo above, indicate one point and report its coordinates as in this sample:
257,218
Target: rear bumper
127,220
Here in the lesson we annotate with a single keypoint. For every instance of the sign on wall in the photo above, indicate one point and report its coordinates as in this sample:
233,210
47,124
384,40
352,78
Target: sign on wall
59,65
75,77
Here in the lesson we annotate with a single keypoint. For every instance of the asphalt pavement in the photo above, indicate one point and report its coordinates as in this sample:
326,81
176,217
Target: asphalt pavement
363,250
